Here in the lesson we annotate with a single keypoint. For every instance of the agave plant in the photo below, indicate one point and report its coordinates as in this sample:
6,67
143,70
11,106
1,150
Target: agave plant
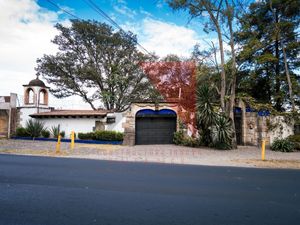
34,128
222,132
54,131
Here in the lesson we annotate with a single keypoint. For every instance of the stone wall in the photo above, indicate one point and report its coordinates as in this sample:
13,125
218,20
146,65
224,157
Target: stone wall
279,127
129,124
255,128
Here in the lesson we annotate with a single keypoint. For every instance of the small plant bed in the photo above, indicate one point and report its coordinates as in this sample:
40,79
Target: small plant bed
35,130
282,145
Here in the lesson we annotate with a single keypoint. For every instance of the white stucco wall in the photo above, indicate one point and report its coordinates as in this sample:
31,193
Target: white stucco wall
117,126
78,125
281,130
26,111
82,125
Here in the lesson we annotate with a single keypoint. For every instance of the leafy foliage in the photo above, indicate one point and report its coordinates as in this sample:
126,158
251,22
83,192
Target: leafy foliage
267,29
206,116
102,135
54,131
62,134
86,136
181,139
22,132
34,128
97,63
106,135
282,145
222,133
45,133
295,139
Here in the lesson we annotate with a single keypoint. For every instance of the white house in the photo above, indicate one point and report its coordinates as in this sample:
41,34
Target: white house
35,105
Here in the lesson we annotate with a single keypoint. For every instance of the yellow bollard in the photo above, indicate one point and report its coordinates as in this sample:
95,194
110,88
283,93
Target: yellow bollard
72,140
263,150
58,144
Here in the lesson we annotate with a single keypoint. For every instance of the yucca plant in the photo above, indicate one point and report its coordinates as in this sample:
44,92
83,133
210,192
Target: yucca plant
206,115
222,133
205,110
34,128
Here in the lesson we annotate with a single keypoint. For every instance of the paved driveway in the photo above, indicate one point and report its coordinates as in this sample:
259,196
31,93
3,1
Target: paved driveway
246,156
46,191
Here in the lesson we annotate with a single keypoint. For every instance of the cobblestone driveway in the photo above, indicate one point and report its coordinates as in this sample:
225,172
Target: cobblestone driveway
243,156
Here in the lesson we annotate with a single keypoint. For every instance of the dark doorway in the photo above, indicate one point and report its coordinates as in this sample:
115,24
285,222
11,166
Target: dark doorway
238,125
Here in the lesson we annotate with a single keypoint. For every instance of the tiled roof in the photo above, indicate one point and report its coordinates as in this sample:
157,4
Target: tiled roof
71,113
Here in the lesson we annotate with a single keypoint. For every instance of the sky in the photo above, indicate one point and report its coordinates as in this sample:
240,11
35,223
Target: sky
27,28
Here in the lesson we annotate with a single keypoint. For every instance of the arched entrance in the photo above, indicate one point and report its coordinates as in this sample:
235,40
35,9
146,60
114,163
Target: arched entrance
155,126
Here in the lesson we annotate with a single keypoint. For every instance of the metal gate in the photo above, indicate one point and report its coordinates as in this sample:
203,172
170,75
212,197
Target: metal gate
155,128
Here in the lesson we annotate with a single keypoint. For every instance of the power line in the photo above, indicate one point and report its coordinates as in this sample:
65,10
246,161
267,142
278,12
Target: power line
65,11
110,20
103,14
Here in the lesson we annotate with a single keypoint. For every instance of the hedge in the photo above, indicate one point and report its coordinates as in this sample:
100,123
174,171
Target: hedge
102,135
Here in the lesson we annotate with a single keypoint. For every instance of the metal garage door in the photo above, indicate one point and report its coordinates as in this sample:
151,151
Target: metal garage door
155,130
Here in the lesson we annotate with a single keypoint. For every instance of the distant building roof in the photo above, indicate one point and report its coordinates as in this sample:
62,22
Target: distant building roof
70,113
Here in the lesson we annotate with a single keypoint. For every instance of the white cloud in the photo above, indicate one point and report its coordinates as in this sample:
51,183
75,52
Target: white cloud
26,31
124,10
165,38
25,34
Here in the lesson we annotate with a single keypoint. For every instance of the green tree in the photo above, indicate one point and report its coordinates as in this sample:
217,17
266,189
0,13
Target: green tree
219,16
270,51
98,64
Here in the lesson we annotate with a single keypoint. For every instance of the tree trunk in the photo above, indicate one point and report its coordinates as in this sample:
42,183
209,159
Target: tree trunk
288,77
223,76
230,112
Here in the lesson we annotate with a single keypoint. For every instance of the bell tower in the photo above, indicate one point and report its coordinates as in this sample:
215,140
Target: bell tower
36,94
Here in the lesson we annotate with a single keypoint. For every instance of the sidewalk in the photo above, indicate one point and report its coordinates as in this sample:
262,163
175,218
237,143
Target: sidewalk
244,156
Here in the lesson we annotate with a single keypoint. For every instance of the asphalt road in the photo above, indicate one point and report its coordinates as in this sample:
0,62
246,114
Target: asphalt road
42,191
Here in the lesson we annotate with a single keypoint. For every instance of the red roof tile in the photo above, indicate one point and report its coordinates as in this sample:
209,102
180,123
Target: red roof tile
71,113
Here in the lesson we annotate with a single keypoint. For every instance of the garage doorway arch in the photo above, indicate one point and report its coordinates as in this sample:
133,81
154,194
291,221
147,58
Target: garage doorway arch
155,126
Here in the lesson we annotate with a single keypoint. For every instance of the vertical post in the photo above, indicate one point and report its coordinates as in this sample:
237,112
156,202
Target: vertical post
263,150
72,140
58,144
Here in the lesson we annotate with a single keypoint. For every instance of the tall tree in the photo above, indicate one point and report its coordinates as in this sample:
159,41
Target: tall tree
99,64
197,8
270,50
223,16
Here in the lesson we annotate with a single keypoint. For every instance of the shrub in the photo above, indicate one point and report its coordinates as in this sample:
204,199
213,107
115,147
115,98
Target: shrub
22,132
222,133
106,135
282,145
181,139
62,134
178,137
86,136
295,139
102,135
34,128
45,133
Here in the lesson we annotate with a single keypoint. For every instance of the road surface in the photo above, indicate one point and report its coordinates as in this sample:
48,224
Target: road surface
58,191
